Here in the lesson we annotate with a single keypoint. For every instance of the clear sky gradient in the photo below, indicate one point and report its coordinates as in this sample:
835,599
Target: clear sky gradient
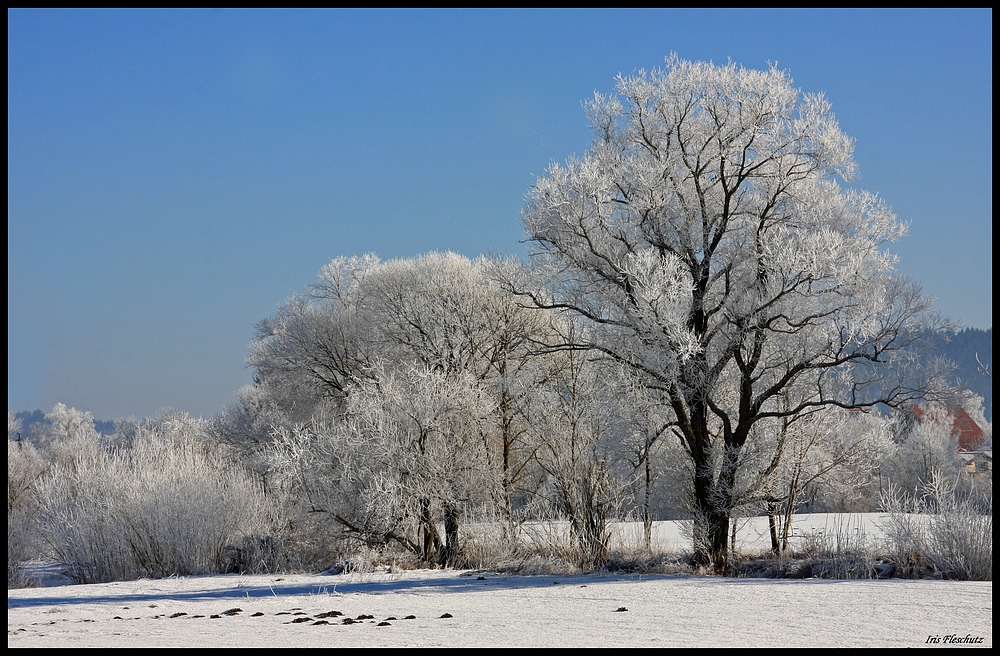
174,175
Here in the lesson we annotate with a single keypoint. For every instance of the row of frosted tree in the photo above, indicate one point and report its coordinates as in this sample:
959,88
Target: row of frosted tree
418,406
709,326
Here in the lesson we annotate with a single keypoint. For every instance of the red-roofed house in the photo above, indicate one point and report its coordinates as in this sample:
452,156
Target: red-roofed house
970,440
970,435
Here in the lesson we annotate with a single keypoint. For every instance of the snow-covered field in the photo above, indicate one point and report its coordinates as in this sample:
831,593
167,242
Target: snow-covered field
469,609
447,608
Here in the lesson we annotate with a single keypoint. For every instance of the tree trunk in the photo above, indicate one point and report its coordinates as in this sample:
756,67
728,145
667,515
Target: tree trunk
507,492
647,515
450,552
719,534
429,541
713,497
786,528
772,526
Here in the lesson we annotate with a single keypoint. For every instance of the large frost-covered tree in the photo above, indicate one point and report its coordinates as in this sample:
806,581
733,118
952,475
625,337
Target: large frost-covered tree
705,237
366,323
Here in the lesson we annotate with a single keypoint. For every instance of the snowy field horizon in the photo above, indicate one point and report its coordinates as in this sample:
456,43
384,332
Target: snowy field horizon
392,607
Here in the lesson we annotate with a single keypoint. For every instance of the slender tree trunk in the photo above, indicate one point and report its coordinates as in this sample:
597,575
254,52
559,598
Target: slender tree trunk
507,439
451,535
647,515
429,536
772,526
789,511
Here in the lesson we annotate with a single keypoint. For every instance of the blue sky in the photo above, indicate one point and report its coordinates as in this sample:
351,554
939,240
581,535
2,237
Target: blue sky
174,175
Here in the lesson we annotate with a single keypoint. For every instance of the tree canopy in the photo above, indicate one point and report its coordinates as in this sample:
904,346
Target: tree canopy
706,239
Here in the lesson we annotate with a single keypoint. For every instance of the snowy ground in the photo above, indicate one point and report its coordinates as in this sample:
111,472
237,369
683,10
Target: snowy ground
469,609
427,608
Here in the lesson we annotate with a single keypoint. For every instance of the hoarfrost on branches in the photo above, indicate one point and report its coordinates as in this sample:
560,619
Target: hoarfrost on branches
705,238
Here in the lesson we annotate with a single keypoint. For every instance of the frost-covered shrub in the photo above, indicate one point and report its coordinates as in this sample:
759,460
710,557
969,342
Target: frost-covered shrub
161,502
25,467
942,530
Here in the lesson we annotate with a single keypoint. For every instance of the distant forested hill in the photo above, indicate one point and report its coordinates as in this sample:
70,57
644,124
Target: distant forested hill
962,348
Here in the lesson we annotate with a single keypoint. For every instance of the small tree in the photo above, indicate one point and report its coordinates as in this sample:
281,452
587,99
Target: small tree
829,455
579,438
64,429
927,447
648,444
425,432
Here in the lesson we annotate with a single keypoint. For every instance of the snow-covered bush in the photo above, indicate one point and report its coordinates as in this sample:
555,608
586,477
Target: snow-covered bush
942,530
25,467
161,502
